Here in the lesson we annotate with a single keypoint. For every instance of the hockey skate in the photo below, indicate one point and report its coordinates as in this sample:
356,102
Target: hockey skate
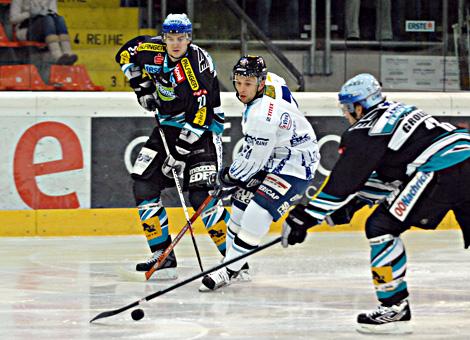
386,320
243,275
166,272
218,279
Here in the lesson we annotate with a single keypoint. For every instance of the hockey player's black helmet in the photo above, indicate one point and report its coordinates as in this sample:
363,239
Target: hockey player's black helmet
251,66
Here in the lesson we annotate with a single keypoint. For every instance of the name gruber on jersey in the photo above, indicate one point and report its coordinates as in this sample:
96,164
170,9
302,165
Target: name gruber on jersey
188,70
408,197
414,118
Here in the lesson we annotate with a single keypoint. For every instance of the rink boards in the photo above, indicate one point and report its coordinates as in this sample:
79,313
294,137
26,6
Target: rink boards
65,157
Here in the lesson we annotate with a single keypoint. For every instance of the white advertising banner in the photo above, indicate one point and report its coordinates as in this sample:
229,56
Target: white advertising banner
422,73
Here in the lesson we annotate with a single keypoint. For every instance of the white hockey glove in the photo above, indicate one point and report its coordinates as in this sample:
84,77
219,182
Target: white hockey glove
171,163
149,101
294,229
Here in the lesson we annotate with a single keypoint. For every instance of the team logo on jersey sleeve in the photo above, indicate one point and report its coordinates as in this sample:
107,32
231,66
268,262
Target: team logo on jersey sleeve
270,91
179,74
125,57
286,121
188,70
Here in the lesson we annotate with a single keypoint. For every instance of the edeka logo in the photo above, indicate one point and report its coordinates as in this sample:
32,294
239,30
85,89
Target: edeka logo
151,47
409,196
200,117
188,70
201,173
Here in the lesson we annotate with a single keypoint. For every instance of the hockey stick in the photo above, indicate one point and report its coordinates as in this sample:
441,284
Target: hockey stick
109,313
178,237
180,194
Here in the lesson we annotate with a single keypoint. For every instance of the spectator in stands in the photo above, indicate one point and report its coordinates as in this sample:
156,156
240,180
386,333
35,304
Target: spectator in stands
38,20
289,14
383,21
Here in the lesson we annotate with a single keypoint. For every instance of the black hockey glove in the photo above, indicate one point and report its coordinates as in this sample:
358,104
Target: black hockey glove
145,92
149,102
222,183
345,214
294,229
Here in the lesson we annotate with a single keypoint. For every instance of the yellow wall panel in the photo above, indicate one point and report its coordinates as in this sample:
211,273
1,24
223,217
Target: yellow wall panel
88,4
101,18
83,222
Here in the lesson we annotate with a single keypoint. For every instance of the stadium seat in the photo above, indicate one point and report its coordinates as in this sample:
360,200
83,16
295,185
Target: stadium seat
22,78
72,78
4,41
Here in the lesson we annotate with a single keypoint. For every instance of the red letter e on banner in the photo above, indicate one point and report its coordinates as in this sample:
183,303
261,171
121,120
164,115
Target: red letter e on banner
25,171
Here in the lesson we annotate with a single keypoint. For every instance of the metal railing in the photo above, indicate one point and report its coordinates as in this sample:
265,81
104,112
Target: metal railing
308,45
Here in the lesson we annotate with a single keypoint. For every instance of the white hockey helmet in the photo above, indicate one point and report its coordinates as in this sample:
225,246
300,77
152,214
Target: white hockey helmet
177,23
362,89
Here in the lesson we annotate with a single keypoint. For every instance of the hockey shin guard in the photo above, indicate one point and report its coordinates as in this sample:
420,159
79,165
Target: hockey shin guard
215,218
255,225
388,265
155,223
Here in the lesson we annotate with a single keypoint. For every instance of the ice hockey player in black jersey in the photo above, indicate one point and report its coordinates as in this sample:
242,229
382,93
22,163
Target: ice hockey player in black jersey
177,80
414,166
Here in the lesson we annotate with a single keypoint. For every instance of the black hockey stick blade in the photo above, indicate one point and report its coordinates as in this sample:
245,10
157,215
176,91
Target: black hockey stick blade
109,313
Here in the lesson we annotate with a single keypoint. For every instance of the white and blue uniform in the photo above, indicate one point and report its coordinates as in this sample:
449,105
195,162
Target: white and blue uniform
278,138
279,155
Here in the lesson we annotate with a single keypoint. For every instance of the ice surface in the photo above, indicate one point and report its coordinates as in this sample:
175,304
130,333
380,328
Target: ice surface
51,288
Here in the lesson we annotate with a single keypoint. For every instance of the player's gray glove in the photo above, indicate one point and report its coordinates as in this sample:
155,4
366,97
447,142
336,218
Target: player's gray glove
172,163
222,183
149,101
294,228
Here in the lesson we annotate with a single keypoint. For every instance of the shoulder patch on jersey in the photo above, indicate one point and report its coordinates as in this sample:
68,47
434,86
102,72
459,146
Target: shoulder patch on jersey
202,61
151,47
388,121
270,91
286,121
188,70
125,57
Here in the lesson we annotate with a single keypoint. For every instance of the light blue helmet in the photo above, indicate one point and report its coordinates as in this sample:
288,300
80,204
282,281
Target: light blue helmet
362,89
177,23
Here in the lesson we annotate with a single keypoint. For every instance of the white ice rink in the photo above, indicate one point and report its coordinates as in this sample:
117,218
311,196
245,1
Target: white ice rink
52,287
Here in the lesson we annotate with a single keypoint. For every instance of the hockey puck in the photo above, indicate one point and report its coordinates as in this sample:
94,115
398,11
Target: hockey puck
137,314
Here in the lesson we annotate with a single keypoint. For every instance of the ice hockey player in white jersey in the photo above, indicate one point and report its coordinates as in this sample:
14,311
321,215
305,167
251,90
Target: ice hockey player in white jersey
276,163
